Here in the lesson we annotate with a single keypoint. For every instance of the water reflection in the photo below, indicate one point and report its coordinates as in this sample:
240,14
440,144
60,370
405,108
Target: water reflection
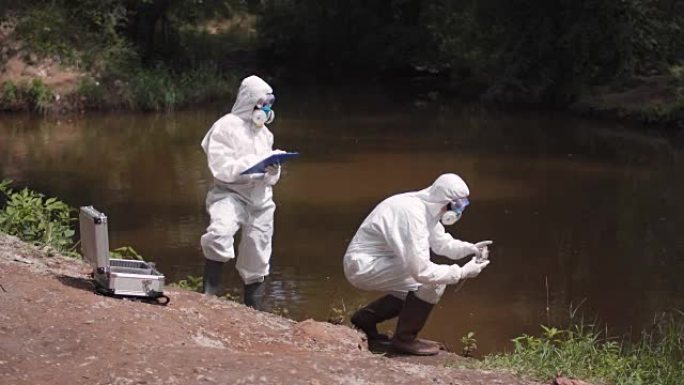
581,212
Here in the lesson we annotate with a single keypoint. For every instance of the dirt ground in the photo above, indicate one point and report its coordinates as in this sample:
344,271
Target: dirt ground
18,65
55,330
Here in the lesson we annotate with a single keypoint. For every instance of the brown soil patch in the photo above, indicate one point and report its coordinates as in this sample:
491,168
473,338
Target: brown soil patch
55,330
19,65
60,80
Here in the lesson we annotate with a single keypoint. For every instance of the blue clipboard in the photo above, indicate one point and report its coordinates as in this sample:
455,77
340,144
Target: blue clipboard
273,159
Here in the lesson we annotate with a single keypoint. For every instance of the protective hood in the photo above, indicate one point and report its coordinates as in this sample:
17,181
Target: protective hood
446,188
251,90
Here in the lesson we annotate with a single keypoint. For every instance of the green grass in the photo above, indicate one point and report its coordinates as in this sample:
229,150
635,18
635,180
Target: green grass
41,96
582,351
165,90
144,90
35,96
10,95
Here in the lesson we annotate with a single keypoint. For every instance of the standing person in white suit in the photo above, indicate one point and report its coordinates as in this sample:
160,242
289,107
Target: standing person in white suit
391,253
234,143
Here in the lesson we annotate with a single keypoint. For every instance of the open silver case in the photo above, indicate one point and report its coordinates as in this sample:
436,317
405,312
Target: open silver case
116,277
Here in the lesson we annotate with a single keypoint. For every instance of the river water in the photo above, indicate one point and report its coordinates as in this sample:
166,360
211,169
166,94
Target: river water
586,215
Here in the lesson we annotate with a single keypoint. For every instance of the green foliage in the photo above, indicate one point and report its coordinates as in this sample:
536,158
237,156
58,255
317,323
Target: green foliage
192,283
469,344
47,31
35,95
347,36
155,91
583,352
91,91
139,53
36,219
41,96
280,311
520,50
340,313
126,252
231,297
158,55
10,92
678,72
548,50
10,97
206,82
165,90
65,29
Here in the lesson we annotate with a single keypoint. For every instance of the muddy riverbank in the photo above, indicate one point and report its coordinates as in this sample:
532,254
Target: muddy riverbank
55,330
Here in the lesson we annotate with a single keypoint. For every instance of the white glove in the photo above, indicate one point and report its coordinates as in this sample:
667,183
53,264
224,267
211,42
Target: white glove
476,248
272,174
472,269
480,245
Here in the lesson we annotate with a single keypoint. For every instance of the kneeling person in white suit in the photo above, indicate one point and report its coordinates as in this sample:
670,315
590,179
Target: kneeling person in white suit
391,253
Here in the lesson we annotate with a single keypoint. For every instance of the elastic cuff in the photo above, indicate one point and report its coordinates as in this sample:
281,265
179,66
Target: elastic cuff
430,293
254,280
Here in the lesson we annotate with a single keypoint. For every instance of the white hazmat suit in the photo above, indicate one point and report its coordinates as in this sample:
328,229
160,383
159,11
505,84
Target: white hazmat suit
233,144
391,249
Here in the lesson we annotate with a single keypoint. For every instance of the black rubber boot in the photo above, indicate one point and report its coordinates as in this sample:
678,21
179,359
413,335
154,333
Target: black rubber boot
211,282
412,319
254,294
380,310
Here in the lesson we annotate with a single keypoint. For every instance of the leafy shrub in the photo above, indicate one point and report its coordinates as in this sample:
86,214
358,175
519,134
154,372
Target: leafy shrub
154,90
45,29
36,219
205,83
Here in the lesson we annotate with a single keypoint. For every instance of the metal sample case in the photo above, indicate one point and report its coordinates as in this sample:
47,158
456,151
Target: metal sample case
117,277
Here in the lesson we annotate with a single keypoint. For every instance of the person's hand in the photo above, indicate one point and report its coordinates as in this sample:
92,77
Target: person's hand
476,248
273,169
482,244
472,269
272,174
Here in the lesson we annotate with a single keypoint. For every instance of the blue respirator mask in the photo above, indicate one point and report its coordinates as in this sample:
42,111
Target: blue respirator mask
263,113
454,211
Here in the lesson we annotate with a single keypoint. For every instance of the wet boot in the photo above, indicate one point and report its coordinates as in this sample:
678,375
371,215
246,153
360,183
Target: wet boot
254,294
375,312
412,318
211,282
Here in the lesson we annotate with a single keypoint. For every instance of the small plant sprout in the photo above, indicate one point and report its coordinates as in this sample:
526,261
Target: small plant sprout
126,252
469,344
191,282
